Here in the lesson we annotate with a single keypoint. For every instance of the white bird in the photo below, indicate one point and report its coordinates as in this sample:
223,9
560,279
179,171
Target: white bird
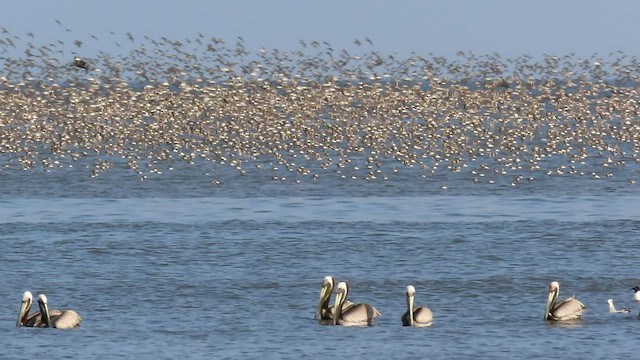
357,315
66,319
416,317
612,308
636,295
567,309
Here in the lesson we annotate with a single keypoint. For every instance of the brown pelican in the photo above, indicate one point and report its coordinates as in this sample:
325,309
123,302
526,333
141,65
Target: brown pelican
33,319
324,312
612,309
65,319
24,318
356,315
416,317
567,309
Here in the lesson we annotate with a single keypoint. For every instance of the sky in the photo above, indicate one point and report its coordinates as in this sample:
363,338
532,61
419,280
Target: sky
508,27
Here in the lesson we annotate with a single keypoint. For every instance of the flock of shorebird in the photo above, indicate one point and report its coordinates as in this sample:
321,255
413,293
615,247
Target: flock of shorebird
305,114
346,313
51,318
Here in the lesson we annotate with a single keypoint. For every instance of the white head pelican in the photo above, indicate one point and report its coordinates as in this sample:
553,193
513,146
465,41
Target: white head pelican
567,309
416,317
24,319
356,315
65,319
612,308
33,319
323,312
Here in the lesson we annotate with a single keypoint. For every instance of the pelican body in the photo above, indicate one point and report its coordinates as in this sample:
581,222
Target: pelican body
416,317
612,308
567,309
356,315
63,319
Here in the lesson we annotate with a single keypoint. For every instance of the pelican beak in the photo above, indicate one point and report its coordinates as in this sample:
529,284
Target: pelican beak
23,312
44,311
410,300
325,294
337,307
550,300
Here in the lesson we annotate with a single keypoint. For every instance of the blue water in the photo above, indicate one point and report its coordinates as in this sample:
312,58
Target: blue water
170,268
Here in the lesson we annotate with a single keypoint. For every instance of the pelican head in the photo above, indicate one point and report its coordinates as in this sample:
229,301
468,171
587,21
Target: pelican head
325,296
341,296
27,300
411,294
554,289
44,310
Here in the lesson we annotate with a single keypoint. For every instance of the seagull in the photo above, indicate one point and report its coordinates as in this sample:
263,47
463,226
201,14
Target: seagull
612,309
636,295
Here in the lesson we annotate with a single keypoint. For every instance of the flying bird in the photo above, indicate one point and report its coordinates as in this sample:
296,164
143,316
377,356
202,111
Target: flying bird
80,63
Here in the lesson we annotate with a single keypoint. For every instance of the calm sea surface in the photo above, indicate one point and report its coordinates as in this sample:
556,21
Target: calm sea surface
174,267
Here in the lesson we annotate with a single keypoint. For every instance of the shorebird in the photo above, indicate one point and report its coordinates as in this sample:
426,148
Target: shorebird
567,309
416,317
357,315
81,63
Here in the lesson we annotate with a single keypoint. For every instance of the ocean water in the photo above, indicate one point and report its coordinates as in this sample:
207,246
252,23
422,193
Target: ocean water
174,267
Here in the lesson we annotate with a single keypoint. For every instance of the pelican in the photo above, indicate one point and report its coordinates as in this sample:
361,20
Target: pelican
33,319
64,319
636,295
324,312
356,315
416,317
24,318
612,309
567,309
